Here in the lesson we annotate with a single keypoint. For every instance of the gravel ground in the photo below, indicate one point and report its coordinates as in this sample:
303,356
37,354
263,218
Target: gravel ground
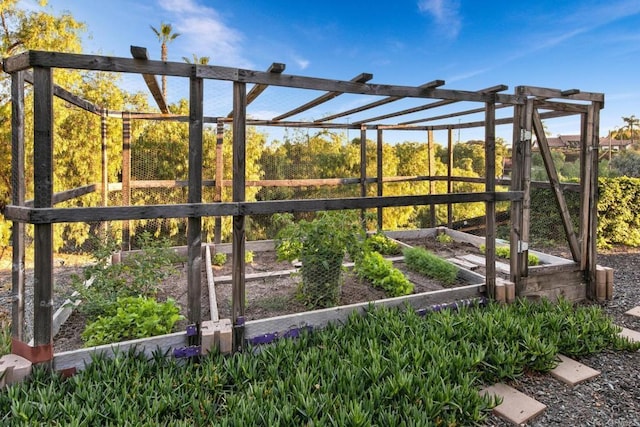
611,399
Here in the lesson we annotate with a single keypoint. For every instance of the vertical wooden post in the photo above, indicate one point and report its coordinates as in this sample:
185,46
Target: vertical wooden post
449,175
104,192
523,251
217,238
490,187
239,179
43,198
363,170
194,224
432,171
17,198
517,164
126,178
380,175
592,142
585,193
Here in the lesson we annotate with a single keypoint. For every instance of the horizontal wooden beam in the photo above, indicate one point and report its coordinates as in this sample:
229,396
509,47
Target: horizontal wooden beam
189,210
63,196
35,58
140,53
361,78
542,92
451,115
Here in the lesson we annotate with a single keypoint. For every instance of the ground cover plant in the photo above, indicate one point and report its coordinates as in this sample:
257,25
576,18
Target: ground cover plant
382,274
388,367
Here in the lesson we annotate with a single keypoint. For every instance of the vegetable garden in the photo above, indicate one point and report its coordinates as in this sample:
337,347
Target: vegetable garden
341,222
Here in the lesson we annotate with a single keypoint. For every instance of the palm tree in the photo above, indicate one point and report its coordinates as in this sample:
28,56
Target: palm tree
203,60
165,35
630,121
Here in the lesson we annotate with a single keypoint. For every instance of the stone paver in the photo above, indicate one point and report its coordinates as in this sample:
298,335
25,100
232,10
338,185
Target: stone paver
572,372
635,311
516,407
631,334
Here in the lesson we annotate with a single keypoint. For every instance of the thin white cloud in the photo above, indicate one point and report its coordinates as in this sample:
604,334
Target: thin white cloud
204,31
301,62
446,13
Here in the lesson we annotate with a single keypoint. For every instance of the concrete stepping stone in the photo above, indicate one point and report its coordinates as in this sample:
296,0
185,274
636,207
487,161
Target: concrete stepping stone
572,372
633,336
635,311
516,407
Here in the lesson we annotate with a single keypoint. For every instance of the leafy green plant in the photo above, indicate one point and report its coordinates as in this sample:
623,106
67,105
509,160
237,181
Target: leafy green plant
444,238
424,262
131,318
505,252
248,256
219,259
380,243
381,273
320,245
138,274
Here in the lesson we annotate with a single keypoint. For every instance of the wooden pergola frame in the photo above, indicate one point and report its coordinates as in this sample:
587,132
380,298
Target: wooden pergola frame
530,106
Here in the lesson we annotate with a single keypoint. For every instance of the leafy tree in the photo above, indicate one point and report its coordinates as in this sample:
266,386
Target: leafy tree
631,121
627,163
202,60
165,36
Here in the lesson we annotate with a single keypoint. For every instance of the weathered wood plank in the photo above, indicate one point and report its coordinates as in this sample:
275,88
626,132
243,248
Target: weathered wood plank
384,101
320,318
126,180
63,196
78,359
140,53
361,78
43,191
257,89
379,172
238,232
213,302
194,228
451,115
557,93
17,198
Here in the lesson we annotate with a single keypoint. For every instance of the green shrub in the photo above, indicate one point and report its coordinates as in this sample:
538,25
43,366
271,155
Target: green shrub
505,252
444,238
139,274
424,262
381,273
248,257
380,243
131,318
320,245
219,259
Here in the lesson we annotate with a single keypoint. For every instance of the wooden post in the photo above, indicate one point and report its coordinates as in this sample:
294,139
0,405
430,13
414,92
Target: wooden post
239,178
43,198
217,238
194,224
449,175
432,172
517,164
585,193
104,192
380,175
363,170
17,198
126,178
526,188
490,186
592,139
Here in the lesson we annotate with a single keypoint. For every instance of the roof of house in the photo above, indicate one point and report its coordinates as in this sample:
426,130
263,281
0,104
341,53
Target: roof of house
573,142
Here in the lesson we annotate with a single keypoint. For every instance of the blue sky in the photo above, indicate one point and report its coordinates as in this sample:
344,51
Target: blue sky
590,45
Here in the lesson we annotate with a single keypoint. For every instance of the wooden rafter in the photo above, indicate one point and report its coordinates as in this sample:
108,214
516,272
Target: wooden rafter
448,116
140,53
492,89
257,89
387,100
361,78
